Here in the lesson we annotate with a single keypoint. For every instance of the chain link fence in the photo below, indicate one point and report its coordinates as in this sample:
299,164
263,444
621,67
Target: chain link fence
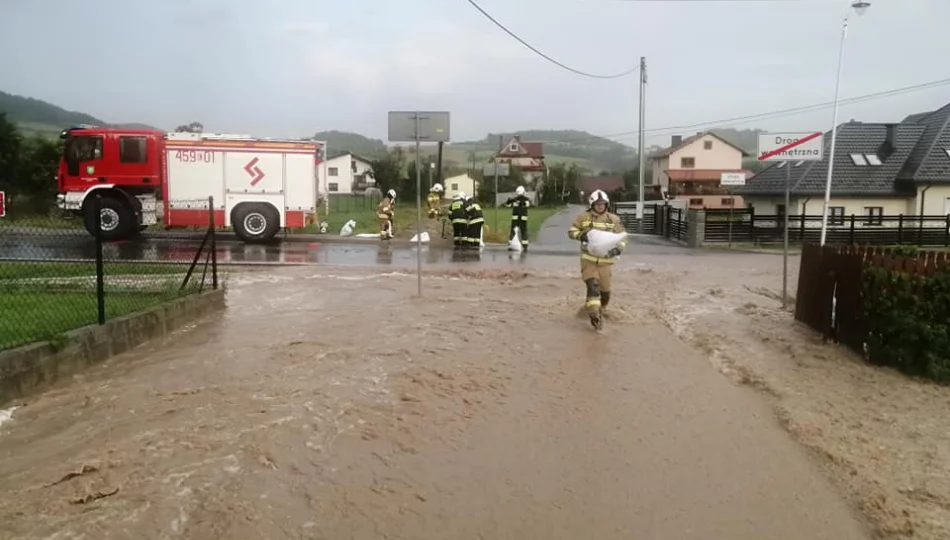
57,275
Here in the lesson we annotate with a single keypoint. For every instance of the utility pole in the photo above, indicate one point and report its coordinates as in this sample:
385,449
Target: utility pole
640,160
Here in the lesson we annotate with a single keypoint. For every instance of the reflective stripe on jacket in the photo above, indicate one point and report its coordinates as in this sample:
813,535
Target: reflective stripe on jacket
590,220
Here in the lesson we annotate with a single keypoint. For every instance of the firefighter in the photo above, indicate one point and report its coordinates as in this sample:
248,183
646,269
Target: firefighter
385,212
519,216
459,220
596,271
475,220
434,200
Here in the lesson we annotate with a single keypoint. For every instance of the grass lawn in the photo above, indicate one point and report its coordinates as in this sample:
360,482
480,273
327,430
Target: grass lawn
29,316
33,270
406,219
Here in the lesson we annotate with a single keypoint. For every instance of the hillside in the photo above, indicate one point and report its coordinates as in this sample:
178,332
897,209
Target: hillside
342,141
37,117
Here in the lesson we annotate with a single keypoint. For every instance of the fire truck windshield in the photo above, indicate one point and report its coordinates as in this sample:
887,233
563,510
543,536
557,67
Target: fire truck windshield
81,148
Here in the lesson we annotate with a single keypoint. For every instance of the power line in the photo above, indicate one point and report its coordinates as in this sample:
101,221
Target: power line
767,115
546,57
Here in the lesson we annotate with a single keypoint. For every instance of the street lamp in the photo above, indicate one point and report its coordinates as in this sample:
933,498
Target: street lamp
859,6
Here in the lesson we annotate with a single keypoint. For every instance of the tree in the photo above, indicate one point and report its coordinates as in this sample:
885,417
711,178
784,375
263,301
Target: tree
10,147
28,168
194,127
388,170
560,182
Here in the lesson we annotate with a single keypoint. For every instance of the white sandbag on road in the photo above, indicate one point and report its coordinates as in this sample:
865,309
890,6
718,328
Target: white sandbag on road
600,242
515,243
425,238
347,229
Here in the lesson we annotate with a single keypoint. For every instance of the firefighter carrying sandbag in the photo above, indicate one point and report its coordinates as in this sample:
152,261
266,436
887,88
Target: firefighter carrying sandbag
434,200
385,212
597,271
519,216
459,220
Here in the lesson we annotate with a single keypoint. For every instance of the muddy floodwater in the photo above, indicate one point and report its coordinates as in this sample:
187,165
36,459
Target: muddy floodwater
331,403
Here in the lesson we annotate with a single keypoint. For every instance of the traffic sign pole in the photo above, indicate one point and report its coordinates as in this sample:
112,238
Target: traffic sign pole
418,213
788,198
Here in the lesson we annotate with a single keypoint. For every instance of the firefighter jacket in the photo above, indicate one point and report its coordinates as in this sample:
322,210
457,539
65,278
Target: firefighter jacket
473,212
457,212
519,207
591,220
433,200
385,209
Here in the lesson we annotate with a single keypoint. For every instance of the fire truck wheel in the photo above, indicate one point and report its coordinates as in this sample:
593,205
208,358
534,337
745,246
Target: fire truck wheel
255,222
115,218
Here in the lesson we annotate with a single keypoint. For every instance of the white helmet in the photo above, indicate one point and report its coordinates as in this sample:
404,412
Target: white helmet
391,194
460,195
598,196
437,188
520,190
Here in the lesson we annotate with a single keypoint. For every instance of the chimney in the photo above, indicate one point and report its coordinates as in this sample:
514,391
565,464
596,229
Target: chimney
677,140
889,146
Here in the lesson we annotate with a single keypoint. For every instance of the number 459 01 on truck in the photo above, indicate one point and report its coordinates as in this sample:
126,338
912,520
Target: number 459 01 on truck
259,185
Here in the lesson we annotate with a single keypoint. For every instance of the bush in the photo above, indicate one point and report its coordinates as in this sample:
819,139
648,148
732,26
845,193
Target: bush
908,319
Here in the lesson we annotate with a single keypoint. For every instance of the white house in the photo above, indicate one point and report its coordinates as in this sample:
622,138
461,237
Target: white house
348,173
462,182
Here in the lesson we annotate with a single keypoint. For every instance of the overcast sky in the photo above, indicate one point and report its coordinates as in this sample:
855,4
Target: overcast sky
294,67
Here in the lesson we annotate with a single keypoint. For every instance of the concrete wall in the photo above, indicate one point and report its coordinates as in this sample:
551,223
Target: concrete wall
32,368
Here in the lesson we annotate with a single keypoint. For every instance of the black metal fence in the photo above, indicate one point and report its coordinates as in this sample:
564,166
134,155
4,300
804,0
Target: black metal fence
346,202
659,219
56,276
744,226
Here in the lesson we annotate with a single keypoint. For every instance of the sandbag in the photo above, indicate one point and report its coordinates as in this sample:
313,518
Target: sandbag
600,242
515,243
425,238
347,228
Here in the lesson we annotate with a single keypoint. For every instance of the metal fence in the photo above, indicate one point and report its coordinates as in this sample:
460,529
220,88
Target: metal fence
56,276
659,219
353,203
744,226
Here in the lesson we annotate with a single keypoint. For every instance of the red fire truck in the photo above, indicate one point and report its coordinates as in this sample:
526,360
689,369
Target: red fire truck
141,177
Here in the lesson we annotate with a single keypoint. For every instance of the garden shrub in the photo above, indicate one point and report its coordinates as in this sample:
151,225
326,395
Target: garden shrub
908,321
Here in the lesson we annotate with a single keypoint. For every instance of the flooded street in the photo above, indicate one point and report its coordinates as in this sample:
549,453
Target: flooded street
328,402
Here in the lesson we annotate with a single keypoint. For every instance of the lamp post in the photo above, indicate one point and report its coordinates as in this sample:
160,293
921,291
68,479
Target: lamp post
859,6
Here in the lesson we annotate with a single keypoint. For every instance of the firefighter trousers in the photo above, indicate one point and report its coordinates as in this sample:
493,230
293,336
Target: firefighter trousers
460,234
597,279
385,228
474,234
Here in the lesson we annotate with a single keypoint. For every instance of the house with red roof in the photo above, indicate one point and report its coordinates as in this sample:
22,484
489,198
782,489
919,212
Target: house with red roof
690,169
526,156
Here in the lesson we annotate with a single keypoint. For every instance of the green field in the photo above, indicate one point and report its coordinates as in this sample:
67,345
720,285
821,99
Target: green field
365,216
41,301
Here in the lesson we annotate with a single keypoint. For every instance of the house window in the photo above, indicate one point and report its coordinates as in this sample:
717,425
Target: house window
133,149
333,171
455,187
728,201
687,163
836,215
513,147
873,160
695,202
333,186
780,210
858,160
707,145
875,215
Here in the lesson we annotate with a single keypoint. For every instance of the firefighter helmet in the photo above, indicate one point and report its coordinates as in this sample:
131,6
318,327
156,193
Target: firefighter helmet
598,196
437,188
519,190
391,194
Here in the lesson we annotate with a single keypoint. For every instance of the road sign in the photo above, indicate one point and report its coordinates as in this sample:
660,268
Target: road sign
254,171
791,146
503,169
3,204
433,126
732,179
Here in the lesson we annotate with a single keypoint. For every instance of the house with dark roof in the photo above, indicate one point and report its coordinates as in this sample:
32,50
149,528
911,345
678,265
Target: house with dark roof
526,156
691,169
607,184
881,169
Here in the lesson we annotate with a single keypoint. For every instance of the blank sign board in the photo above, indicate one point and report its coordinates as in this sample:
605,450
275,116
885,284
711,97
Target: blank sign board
433,126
